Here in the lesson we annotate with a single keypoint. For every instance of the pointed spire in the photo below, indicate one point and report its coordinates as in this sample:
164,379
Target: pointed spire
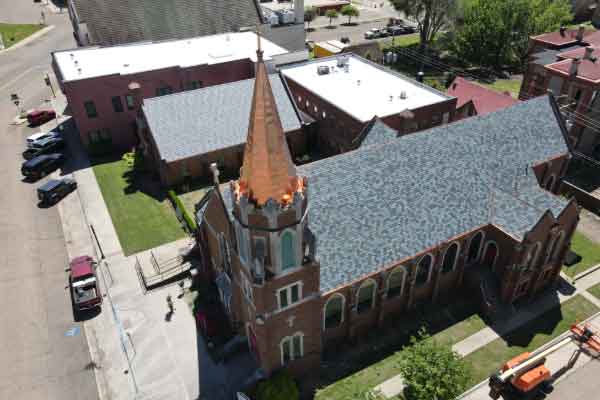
268,171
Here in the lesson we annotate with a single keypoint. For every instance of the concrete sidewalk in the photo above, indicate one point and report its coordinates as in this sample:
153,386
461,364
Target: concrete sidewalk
394,386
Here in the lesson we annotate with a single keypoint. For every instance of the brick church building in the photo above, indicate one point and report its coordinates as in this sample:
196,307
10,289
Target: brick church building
304,256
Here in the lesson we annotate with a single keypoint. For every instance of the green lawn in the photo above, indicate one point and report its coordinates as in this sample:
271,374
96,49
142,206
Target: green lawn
141,221
513,86
595,290
354,386
13,33
530,336
589,252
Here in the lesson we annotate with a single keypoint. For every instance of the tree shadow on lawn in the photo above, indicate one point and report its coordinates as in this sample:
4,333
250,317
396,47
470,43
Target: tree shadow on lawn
343,359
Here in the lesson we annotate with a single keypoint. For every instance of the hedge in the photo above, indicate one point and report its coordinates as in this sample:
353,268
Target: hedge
280,386
182,213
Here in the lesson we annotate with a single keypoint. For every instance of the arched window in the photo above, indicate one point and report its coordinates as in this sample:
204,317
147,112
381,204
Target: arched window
475,247
395,282
532,256
450,258
292,348
287,251
423,270
550,183
366,296
558,245
550,249
334,311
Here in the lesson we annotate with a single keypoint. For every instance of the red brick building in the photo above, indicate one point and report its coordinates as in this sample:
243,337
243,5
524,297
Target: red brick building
303,257
565,63
95,79
343,93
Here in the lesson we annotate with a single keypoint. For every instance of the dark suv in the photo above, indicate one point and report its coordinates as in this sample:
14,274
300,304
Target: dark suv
55,189
44,146
41,166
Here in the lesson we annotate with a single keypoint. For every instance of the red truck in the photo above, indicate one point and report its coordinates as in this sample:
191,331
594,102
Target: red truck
84,283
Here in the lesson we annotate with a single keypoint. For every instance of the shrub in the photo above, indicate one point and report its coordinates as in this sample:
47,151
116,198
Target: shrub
281,386
182,213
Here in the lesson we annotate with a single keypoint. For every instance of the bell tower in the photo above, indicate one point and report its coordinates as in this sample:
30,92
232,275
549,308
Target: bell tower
278,272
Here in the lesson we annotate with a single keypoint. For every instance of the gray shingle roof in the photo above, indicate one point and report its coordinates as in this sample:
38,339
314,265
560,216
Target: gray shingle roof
381,203
200,121
123,21
546,57
377,132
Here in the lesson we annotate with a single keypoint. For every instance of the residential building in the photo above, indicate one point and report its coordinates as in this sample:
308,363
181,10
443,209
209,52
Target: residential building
95,80
113,22
343,93
307,256
565,63
473,99
184,133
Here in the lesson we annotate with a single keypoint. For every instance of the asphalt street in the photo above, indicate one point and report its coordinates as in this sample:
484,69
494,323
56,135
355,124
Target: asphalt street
43,351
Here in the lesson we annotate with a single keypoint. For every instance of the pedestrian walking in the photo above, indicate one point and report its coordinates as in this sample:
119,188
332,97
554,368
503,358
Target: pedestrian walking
170,304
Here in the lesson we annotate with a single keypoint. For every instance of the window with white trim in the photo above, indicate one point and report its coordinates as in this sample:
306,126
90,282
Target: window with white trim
292,348
246,287
289,295
241,242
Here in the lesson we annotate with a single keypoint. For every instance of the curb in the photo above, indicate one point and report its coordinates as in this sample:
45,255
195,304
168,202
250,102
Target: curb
28,39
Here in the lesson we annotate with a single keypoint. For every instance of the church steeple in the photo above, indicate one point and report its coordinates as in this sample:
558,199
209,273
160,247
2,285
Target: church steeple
267,171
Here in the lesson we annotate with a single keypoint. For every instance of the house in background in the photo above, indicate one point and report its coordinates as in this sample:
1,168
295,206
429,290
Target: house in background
304,257
343,93
473,99
566,64
95,80
112,22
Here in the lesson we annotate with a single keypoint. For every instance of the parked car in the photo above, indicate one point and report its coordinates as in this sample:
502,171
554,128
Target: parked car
376,33
41,166
31,139
45,146
55,189
84,283
38,117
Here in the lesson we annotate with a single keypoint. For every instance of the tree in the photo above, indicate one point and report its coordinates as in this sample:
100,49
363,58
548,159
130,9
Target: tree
431,15
431,370
350,11
331,14
280,386
494,33
310,13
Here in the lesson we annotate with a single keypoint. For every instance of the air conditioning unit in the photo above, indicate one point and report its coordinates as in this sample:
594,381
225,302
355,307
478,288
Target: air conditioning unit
403,95
322,69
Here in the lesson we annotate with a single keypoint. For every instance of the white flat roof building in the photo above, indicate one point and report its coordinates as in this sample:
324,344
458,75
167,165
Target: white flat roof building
92,62
362,89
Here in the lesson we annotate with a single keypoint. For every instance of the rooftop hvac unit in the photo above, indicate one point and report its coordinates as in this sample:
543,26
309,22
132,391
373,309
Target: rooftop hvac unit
403,95
322,70
342,61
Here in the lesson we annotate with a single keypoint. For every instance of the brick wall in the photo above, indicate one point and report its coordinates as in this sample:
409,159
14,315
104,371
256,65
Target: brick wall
120,125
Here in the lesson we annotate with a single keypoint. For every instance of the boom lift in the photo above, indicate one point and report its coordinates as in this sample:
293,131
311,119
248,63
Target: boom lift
526,376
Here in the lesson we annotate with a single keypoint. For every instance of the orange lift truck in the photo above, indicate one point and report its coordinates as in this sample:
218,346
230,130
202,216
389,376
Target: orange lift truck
526,376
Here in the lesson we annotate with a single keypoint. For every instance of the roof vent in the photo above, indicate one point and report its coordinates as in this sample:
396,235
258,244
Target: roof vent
574,66
562,30
588,55
76,62
322,69
391,98
126,65
342,61
358,82
72,55
403,95
79,70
